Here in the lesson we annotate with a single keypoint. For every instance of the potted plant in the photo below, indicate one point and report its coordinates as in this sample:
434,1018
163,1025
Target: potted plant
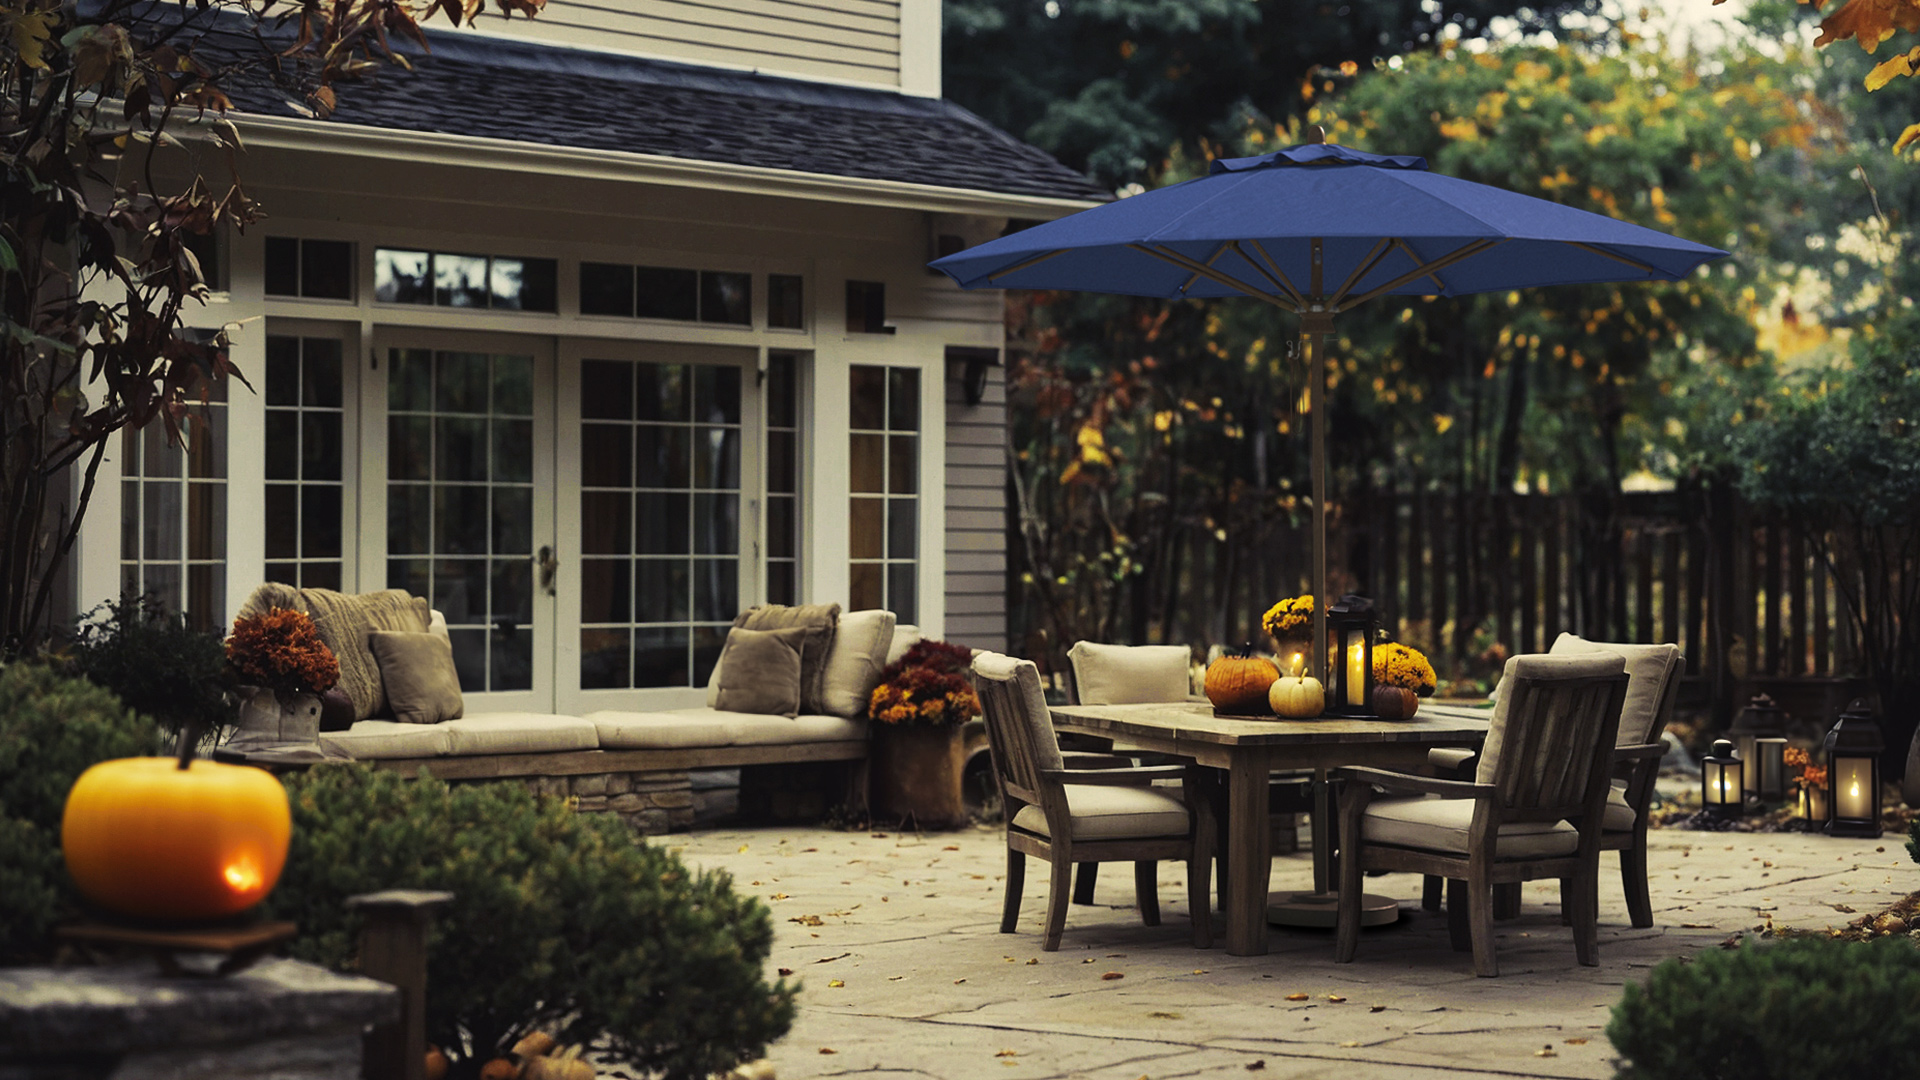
1401,677
1290,624
920,711
282,667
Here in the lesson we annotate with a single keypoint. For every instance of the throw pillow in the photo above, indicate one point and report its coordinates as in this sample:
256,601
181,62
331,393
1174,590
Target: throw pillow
760,671
344,620
417,669
854,664
820,621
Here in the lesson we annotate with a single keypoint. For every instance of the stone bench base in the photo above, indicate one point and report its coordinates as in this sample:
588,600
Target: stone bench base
651,802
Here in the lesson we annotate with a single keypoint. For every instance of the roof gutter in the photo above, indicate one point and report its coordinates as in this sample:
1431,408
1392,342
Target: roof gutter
468,151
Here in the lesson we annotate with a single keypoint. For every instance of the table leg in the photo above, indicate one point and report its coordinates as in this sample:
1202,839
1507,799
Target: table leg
1322,833
1249,856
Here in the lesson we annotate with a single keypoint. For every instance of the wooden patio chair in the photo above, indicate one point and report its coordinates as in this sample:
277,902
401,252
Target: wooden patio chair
1533,810
1067,815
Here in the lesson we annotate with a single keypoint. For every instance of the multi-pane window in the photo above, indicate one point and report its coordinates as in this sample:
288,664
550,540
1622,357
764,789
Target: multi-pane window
173,513
460,503
783,478
786,302
311,269
666,292
884,413
444,279
305,492
660,448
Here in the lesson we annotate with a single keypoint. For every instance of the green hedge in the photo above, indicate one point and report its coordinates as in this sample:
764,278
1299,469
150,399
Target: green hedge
561,921
1802,1009
52,727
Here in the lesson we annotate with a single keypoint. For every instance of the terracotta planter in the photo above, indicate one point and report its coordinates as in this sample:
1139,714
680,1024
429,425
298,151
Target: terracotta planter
1394,702
917,772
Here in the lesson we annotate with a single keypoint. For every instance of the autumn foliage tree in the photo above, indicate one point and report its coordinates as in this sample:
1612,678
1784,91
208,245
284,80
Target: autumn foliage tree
1871,24
119,165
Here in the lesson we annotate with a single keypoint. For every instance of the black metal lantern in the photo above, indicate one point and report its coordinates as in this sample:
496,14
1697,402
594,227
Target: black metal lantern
1352,624
1853,773
1772,771
1761,719
1721,789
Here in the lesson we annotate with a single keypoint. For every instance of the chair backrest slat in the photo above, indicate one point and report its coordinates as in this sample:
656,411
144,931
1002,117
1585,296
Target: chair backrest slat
1020,741
1554,742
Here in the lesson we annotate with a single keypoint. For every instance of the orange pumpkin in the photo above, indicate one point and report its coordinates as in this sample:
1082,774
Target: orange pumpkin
1394,702
436,1063
147,838
1239,684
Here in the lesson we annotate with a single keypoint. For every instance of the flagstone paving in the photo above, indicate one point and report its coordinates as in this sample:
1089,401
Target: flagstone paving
894,939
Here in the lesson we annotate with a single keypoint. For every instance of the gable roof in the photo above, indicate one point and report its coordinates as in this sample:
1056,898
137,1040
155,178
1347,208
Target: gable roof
486,87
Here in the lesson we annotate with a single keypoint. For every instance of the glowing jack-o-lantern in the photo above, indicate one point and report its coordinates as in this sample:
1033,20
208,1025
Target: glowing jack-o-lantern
147,838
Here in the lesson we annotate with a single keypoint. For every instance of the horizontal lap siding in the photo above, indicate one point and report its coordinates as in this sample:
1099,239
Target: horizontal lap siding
976,580
856,40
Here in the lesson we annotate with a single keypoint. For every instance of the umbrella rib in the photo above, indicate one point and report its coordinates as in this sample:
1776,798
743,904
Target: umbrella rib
1635,263
1466,250
1188,263
1211,259
1439,286
1277,275
1019,266
1380,248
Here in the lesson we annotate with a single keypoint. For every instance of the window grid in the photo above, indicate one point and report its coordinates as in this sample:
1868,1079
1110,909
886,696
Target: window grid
783,478
659,521
884,459
305,489
173,514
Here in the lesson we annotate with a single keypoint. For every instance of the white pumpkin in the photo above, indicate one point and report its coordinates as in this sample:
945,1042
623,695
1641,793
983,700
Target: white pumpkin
1297,697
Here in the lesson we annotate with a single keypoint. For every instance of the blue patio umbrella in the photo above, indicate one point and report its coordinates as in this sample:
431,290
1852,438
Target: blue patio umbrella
1318,230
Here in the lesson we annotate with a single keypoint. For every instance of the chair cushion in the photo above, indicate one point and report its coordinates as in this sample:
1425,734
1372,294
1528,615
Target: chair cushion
754,729
1129,674
854,663
1448,759
519,733
1648,669
761,671
1436,824
1618,816
905,636
370,739
416,667
688,728
1026,699
1536,666
1113,813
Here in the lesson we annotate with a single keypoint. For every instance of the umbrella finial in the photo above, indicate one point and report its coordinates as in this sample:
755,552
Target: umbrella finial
1313,135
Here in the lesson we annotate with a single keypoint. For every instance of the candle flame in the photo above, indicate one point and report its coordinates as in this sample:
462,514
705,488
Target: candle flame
242,876
1854,791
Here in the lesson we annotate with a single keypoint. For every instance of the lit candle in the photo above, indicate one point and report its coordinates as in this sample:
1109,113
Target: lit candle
1356,671
1850,794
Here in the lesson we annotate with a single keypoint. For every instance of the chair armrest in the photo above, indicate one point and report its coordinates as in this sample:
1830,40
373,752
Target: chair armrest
1115,777
1639,750
1398,781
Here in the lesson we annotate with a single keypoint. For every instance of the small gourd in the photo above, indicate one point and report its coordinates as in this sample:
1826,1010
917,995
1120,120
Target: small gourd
1239,684
1394,702
1297,696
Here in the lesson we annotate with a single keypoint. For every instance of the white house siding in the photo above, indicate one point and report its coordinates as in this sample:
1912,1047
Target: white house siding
976,518
883,43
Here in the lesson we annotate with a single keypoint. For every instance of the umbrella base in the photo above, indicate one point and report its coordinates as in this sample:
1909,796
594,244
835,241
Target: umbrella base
1322,910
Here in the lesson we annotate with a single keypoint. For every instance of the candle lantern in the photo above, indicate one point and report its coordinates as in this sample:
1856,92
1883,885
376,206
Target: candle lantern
1772,773
1721,789
1813,804
1853,773
1761,719
1352,623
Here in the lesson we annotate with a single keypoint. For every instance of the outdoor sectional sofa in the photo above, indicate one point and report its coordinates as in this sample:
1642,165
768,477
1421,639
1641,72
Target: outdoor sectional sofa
634,763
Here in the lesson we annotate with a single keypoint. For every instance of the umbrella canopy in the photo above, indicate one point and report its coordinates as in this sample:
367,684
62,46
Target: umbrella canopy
1320,229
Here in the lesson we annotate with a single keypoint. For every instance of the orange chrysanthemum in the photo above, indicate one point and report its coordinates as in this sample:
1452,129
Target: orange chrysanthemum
279,649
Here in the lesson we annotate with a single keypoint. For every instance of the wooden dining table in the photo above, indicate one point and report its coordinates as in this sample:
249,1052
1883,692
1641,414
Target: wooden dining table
1249,749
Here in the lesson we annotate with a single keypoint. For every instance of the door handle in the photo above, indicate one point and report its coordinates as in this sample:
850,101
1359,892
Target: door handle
548,564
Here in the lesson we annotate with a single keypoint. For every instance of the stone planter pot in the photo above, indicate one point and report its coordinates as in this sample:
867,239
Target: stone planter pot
278,727
918,772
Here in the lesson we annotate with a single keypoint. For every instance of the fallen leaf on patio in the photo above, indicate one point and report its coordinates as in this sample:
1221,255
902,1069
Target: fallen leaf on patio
1116,956
804,850
753,883
784,972
1336,998
951,847
831,959
1378,1008
1696,926
883,899
1199,971
1842,908
1008,1053
1089,960
895,978
1879,849
883,836
957,982
807,920
1576,1042
1545,1051
1033,961
1256,1066
828,1050
778,896
1351,1042
1163,1016
743,849
1296,997
1112,975
835,984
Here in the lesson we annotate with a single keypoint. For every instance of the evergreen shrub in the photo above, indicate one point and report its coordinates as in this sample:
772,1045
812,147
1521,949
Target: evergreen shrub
156,663
52,728
561,922
1802,1009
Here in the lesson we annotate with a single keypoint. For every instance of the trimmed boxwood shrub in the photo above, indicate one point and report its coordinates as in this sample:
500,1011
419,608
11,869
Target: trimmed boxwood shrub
52,728
563,922
1802,1009
156,663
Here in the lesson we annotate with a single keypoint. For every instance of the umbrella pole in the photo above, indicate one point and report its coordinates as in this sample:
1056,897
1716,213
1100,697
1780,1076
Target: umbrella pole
1316,327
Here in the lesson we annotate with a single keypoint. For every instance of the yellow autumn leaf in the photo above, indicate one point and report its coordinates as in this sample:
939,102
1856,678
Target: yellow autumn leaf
835,984
1907,138
1885,72
29,36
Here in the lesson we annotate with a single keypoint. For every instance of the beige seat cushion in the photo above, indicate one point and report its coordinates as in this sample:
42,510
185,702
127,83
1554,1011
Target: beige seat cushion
760,671
1648,669
1129,674
1432,823
1536,666
371,739
854,663
754,729
690,728
416,667
519,733
1113,813
1618,816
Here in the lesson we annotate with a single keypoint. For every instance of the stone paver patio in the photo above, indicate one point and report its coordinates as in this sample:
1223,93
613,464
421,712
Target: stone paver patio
895,939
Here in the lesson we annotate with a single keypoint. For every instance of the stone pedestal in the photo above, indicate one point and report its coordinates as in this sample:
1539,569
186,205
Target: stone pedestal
280,1018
